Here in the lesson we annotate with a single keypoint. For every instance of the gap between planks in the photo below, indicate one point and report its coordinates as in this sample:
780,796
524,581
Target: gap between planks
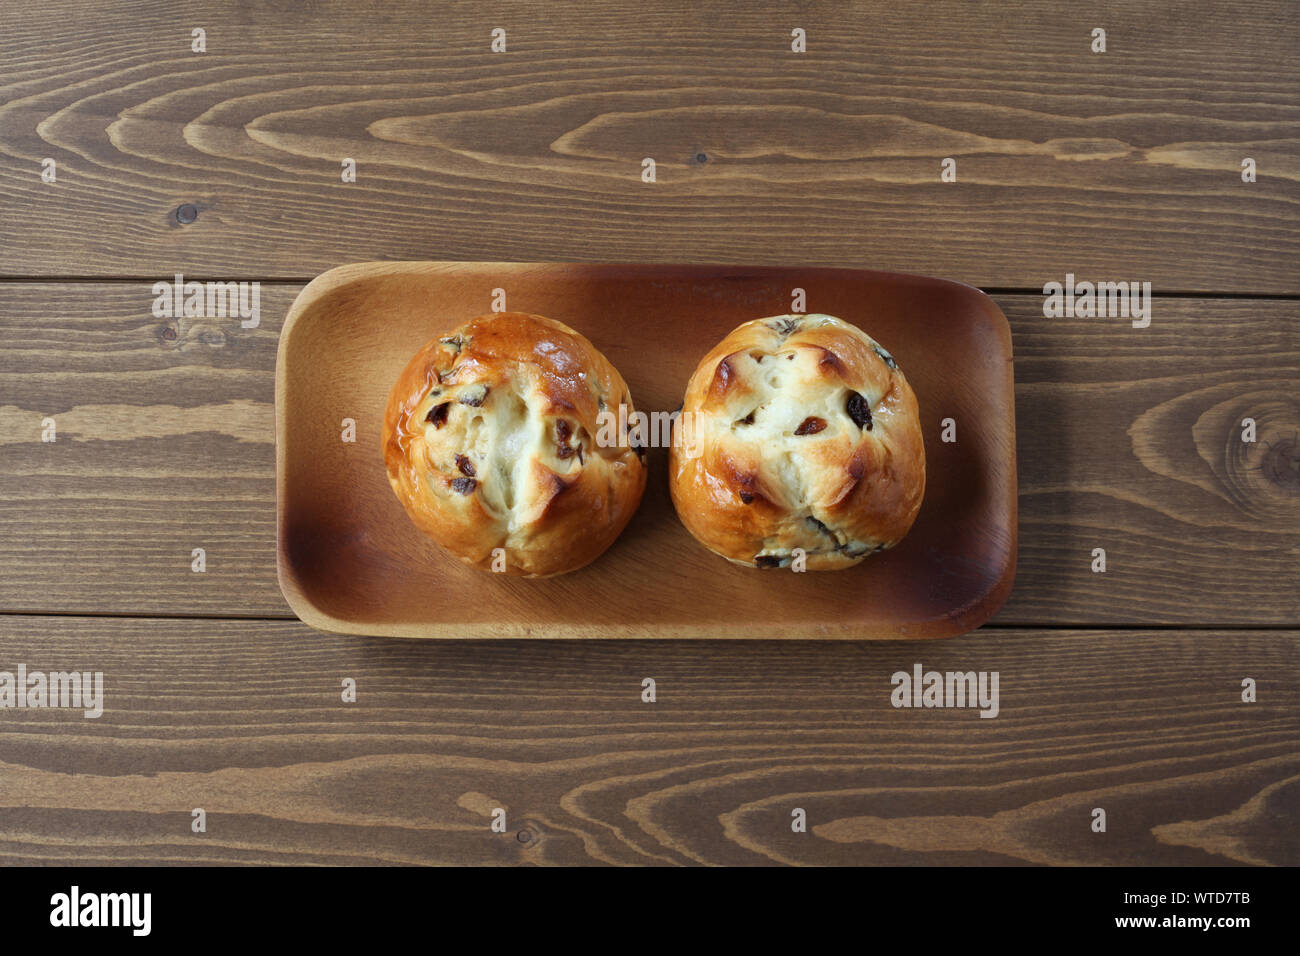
303,280
1056,626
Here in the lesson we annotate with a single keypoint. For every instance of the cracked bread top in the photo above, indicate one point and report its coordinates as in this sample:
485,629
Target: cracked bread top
808,437
489,439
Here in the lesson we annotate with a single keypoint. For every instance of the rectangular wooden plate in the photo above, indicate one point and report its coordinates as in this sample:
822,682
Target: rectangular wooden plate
351,561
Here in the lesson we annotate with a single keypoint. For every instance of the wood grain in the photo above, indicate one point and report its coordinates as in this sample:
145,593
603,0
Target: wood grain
244,719
1128,440
165,443
1067,161
1116,166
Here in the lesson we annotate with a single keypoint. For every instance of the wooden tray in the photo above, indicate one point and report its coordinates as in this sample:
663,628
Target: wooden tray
351,561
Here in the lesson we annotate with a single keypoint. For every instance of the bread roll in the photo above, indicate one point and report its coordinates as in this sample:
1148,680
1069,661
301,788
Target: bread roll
490,442
800,431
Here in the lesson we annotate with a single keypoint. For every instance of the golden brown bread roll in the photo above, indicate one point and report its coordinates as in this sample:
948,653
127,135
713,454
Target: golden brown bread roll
800,432
490,442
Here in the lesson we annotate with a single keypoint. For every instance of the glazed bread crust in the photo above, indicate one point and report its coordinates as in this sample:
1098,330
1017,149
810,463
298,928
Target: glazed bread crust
807,436
489,438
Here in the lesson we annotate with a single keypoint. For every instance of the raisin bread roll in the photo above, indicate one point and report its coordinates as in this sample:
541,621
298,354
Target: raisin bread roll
798,431
490,439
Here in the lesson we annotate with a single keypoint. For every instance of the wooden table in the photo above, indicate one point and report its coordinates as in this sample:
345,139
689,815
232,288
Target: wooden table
1120,690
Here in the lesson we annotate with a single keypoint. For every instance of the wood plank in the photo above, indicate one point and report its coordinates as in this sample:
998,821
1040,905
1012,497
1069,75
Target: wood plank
245,720
1101,164
164,444
1129,440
